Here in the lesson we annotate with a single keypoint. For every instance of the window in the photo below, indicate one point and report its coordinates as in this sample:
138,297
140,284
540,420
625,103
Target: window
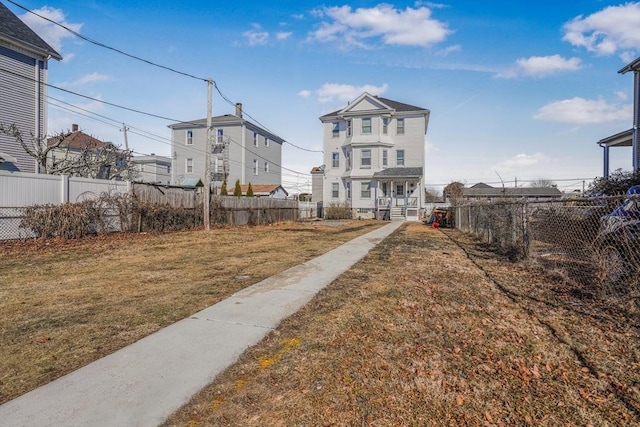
400,158
255,139
348,189
385,158
220,135
365,190
335,131
366,126
335,190
266,141
255,166
141,168
189,165
400,126
385,125
400,190
349,128
266,167
335,159
347,159
189,140
365,159
168,169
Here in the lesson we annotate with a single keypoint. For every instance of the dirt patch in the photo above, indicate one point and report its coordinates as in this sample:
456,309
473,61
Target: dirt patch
66,303
432,329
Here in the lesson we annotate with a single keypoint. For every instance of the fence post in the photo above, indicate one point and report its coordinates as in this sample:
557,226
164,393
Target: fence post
64,189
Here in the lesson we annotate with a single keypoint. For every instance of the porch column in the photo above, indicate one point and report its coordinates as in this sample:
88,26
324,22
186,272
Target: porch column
636,120
605,161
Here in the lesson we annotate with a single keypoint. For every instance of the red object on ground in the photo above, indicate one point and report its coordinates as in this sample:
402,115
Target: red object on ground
435,225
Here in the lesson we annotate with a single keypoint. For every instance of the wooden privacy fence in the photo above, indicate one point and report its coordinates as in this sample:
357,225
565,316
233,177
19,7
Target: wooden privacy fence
253,210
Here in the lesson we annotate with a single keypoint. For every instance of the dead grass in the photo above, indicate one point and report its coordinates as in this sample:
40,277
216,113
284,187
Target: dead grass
426,331
64,304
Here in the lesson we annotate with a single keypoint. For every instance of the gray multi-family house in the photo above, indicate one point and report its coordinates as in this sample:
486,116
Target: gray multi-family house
240,150
152,169
374,152
24,60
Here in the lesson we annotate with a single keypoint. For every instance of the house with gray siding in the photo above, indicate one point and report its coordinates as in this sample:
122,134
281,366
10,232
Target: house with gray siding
240,150
374,158
152,169
24,60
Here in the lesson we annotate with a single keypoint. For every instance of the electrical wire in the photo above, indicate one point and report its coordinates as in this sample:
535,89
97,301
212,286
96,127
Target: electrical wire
97,43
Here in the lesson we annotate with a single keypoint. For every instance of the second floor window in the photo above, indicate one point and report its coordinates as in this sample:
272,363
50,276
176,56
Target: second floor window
365,159
349,128
347,160
189,165
255,139
385,125
255,166
266,142
385,158
266,167
366,126
220,135
335,129
335,159
400,158
189,139
400,127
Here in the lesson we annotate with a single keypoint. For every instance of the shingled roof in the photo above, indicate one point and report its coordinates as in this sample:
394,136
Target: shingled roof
395,105
16,31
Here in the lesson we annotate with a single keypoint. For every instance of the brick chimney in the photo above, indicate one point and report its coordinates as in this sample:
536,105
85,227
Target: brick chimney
74,127
239,109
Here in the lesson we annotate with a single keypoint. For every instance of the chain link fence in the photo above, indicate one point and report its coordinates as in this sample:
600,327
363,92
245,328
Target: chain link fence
591,242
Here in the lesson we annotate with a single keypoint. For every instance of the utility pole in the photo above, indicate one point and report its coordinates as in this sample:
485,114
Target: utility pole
207,157
126,141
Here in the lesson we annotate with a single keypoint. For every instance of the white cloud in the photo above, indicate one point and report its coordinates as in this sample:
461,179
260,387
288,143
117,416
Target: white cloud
51,33
613,29
256,36
304,93
341,92
541,66
449,49
584,111
88,78
520,161
283,35
409,27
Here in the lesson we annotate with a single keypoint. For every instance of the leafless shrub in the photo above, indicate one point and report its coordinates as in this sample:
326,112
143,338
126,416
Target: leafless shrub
338,210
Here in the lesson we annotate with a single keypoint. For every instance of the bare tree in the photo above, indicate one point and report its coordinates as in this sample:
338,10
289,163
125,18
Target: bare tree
542,183
431,194
454,192
54,157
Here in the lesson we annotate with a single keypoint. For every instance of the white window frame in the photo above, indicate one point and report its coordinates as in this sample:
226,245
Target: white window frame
385,125
385,158
266,167
400,158
335,129
255,167
347,160
365,190
366,120
349,128
188,165
255,139
363,165
188,137
335,159
266,141
220,136
400,126
347,186
335,190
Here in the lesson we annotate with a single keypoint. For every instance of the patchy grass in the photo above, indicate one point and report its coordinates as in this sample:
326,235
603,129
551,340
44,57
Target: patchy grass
431,329
64,304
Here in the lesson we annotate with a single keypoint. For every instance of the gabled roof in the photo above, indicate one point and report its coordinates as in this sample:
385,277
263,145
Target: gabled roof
385,105
487,191
16,31
226,120
632,66
78,140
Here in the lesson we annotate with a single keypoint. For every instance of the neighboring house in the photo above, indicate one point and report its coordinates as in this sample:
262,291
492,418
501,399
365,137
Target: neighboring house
79,154
275,191
152,169
486,193
374,158
630,137
317,181
23,92
241,150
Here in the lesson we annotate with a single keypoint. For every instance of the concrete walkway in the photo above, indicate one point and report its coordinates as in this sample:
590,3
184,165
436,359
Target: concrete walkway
144,383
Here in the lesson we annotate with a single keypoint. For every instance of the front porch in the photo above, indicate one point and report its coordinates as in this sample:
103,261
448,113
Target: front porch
398,194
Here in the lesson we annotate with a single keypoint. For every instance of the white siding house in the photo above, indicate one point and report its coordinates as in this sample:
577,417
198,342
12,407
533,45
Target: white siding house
23,77
374,157
241,151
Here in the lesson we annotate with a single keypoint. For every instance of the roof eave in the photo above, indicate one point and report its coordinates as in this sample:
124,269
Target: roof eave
632,66
32,48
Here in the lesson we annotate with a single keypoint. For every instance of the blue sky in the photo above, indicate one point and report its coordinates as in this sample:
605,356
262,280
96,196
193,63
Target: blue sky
520,90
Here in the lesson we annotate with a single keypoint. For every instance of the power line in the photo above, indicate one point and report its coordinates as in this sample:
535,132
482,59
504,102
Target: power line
97,43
